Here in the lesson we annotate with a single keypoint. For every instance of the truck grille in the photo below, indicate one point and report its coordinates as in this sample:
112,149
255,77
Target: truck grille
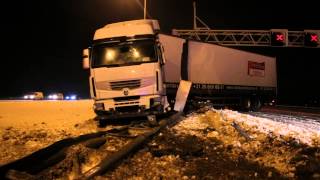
127,98
130,84
119,85
128,109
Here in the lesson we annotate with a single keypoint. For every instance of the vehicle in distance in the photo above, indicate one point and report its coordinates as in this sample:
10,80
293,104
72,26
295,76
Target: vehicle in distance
71,97
55,96
34,96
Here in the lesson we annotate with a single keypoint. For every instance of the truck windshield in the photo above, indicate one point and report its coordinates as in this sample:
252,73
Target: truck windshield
123,53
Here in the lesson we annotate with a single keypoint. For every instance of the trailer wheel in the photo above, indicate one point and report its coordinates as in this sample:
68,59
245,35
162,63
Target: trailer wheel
246,104
256,105
171,101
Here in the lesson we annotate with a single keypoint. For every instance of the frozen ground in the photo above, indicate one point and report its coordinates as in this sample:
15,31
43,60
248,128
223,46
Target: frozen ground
289,144
204,145
55,114
301,128
26,126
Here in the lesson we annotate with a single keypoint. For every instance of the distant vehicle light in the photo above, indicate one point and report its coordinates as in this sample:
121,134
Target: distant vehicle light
34,96
57,96
71,97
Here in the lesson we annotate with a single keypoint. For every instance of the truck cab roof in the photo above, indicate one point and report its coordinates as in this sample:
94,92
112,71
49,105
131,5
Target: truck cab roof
128,29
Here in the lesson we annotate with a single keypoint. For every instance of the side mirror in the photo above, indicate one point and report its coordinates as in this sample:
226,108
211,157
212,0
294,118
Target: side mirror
85,58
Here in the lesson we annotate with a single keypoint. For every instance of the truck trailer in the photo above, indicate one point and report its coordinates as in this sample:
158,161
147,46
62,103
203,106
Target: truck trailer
135,71
223,75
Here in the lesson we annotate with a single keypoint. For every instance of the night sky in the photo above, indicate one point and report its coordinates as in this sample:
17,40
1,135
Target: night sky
42,41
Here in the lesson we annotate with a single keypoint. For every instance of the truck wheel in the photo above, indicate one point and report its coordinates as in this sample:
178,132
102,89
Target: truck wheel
171,101
98,113
256,105
246,104
102,122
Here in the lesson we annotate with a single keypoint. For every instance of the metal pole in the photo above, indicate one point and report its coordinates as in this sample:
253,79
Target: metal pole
194,15
145,10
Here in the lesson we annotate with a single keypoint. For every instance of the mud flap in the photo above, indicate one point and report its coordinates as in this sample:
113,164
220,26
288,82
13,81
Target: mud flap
182,95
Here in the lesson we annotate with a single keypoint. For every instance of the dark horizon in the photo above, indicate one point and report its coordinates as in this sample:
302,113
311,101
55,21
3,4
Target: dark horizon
42,42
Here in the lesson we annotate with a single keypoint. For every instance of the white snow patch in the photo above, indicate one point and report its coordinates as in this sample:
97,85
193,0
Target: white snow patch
191,125
304,130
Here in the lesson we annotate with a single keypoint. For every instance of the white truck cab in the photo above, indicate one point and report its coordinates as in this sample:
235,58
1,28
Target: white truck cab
126,70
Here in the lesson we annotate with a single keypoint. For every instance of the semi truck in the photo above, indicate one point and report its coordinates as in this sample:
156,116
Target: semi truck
135,71
126,64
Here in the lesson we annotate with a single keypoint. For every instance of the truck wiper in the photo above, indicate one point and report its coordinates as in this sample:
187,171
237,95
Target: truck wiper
119,65
112,65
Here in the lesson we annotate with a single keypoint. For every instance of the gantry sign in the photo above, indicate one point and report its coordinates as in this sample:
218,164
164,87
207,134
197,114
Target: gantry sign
273,37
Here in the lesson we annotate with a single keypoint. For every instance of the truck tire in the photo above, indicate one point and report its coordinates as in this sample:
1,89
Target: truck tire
171,101
256,104
98,112
246,104
102,123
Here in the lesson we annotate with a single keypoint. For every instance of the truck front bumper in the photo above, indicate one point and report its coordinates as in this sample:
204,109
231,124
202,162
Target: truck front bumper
133,106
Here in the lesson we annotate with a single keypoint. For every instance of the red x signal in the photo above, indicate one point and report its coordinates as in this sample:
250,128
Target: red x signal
280,37
314,38
311,39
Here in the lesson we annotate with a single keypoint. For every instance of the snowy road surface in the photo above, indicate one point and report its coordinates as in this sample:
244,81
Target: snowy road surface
27,126
56,114
65,114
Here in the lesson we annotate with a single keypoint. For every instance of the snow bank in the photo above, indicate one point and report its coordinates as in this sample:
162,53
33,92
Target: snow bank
305,131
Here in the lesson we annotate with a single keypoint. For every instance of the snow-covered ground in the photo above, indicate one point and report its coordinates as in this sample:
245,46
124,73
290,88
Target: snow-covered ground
276,140
301,128
27,126
55,114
